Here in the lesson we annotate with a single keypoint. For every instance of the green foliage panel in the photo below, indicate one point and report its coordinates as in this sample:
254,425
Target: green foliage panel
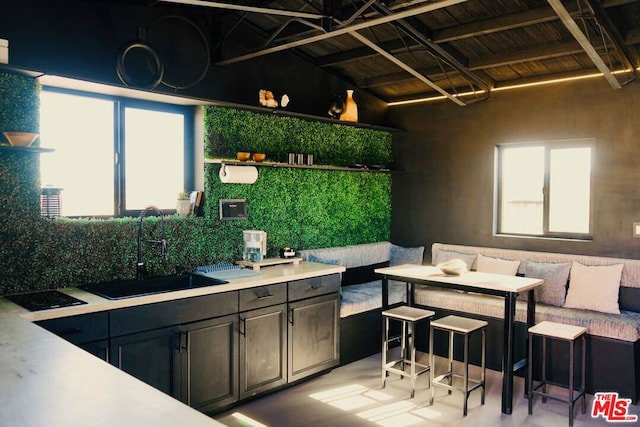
229,131
19,104
302,208
305,208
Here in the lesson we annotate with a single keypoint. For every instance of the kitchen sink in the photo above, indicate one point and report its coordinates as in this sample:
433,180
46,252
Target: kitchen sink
134,288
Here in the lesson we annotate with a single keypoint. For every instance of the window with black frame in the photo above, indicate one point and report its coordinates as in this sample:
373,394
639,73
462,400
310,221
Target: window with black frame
544,189
114,156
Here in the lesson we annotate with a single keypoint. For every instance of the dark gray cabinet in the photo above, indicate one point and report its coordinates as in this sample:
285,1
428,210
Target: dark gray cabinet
263,339
313,319
214,350
87,331
150,356
208,360
186,348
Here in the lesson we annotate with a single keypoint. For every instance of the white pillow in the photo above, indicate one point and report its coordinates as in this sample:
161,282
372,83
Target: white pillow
487,264
594,287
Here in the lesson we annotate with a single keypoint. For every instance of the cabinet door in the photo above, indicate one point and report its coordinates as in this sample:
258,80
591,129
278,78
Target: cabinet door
149,356
313,336
263,357
209,376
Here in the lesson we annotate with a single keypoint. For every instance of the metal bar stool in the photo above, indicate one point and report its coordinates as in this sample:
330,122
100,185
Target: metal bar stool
408,316
465,327
570,334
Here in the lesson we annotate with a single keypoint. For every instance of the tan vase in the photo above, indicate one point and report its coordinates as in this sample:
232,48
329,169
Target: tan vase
183,208
350,113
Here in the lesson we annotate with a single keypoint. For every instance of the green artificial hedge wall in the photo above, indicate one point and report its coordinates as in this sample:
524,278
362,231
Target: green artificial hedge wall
302,208
231,130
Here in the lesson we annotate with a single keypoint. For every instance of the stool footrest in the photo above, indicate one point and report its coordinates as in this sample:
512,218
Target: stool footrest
577,392
474,383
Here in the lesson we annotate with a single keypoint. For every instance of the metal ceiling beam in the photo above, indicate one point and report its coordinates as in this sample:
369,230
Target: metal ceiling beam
436,51
239,7
573,28
406,67
604,20
343,31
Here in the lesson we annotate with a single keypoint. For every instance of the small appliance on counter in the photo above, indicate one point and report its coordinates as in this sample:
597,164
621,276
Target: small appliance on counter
287,252
255,245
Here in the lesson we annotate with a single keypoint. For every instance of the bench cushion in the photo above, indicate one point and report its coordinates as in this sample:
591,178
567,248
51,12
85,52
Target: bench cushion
624,326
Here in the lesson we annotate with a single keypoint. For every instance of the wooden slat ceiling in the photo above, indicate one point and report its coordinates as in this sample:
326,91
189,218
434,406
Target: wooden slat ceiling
463,46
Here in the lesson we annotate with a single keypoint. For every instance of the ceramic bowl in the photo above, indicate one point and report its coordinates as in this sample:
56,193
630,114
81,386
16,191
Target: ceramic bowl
20,139
243,156
259,157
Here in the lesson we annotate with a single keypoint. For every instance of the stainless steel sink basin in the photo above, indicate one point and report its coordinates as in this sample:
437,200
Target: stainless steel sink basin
134,288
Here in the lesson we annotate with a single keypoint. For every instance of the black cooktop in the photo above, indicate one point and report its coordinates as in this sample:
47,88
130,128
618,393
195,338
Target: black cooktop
44,300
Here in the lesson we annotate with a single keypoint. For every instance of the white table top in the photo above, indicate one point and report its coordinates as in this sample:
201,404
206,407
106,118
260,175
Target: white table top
473,279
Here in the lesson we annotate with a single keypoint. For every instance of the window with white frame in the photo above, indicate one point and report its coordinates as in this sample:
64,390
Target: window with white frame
544,188
114,156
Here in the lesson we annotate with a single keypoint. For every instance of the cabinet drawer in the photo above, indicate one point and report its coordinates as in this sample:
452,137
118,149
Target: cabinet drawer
169,313
263,296
79,329
314,286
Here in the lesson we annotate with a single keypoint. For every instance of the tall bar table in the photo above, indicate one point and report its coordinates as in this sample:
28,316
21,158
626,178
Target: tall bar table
501,285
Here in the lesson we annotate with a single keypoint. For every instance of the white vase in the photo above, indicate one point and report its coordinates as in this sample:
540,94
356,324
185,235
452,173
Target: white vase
183,208
350,113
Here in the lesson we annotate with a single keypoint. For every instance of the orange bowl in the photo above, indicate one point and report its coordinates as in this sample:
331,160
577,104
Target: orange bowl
20,139
259,157
243,156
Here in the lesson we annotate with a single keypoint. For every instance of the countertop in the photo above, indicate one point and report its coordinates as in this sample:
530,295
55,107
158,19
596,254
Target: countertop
47,381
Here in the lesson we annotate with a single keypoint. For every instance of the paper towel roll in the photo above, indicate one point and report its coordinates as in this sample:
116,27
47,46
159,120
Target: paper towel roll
238,174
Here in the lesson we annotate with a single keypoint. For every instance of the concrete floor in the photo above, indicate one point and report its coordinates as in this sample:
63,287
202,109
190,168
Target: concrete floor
351,396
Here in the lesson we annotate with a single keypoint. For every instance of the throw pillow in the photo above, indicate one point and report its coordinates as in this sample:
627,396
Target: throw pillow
444,256
487,264
401,255
555,275
594,287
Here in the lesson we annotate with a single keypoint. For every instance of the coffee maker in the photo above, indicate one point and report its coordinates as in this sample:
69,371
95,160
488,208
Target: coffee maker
255,245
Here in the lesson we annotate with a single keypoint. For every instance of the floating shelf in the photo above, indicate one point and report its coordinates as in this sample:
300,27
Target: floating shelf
294,166
33,150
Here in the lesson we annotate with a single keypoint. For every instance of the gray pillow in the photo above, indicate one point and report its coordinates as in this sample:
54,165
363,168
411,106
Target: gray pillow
555,276
401,255
444,256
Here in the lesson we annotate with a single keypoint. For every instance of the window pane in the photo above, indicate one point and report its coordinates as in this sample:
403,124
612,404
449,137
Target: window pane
522,181
154,159
80,130
569,190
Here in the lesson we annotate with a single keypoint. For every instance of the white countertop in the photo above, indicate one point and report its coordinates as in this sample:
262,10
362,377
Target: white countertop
46,381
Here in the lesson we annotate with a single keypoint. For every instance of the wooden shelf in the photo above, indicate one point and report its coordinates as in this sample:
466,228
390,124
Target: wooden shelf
268,262
294,166
32,150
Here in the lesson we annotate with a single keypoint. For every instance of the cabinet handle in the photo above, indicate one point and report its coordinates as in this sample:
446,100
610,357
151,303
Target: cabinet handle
317,284
262,294
182,342
243,326
290,316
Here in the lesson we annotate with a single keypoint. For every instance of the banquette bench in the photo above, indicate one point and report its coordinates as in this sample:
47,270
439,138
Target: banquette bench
599,293
361,291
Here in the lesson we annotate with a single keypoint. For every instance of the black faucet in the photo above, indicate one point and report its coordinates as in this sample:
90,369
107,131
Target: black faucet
141,268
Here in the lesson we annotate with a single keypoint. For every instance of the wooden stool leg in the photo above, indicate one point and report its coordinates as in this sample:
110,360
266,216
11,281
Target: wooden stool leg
451,336
412,350
584,372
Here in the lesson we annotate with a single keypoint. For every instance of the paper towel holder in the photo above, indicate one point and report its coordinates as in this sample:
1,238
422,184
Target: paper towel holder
223,172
